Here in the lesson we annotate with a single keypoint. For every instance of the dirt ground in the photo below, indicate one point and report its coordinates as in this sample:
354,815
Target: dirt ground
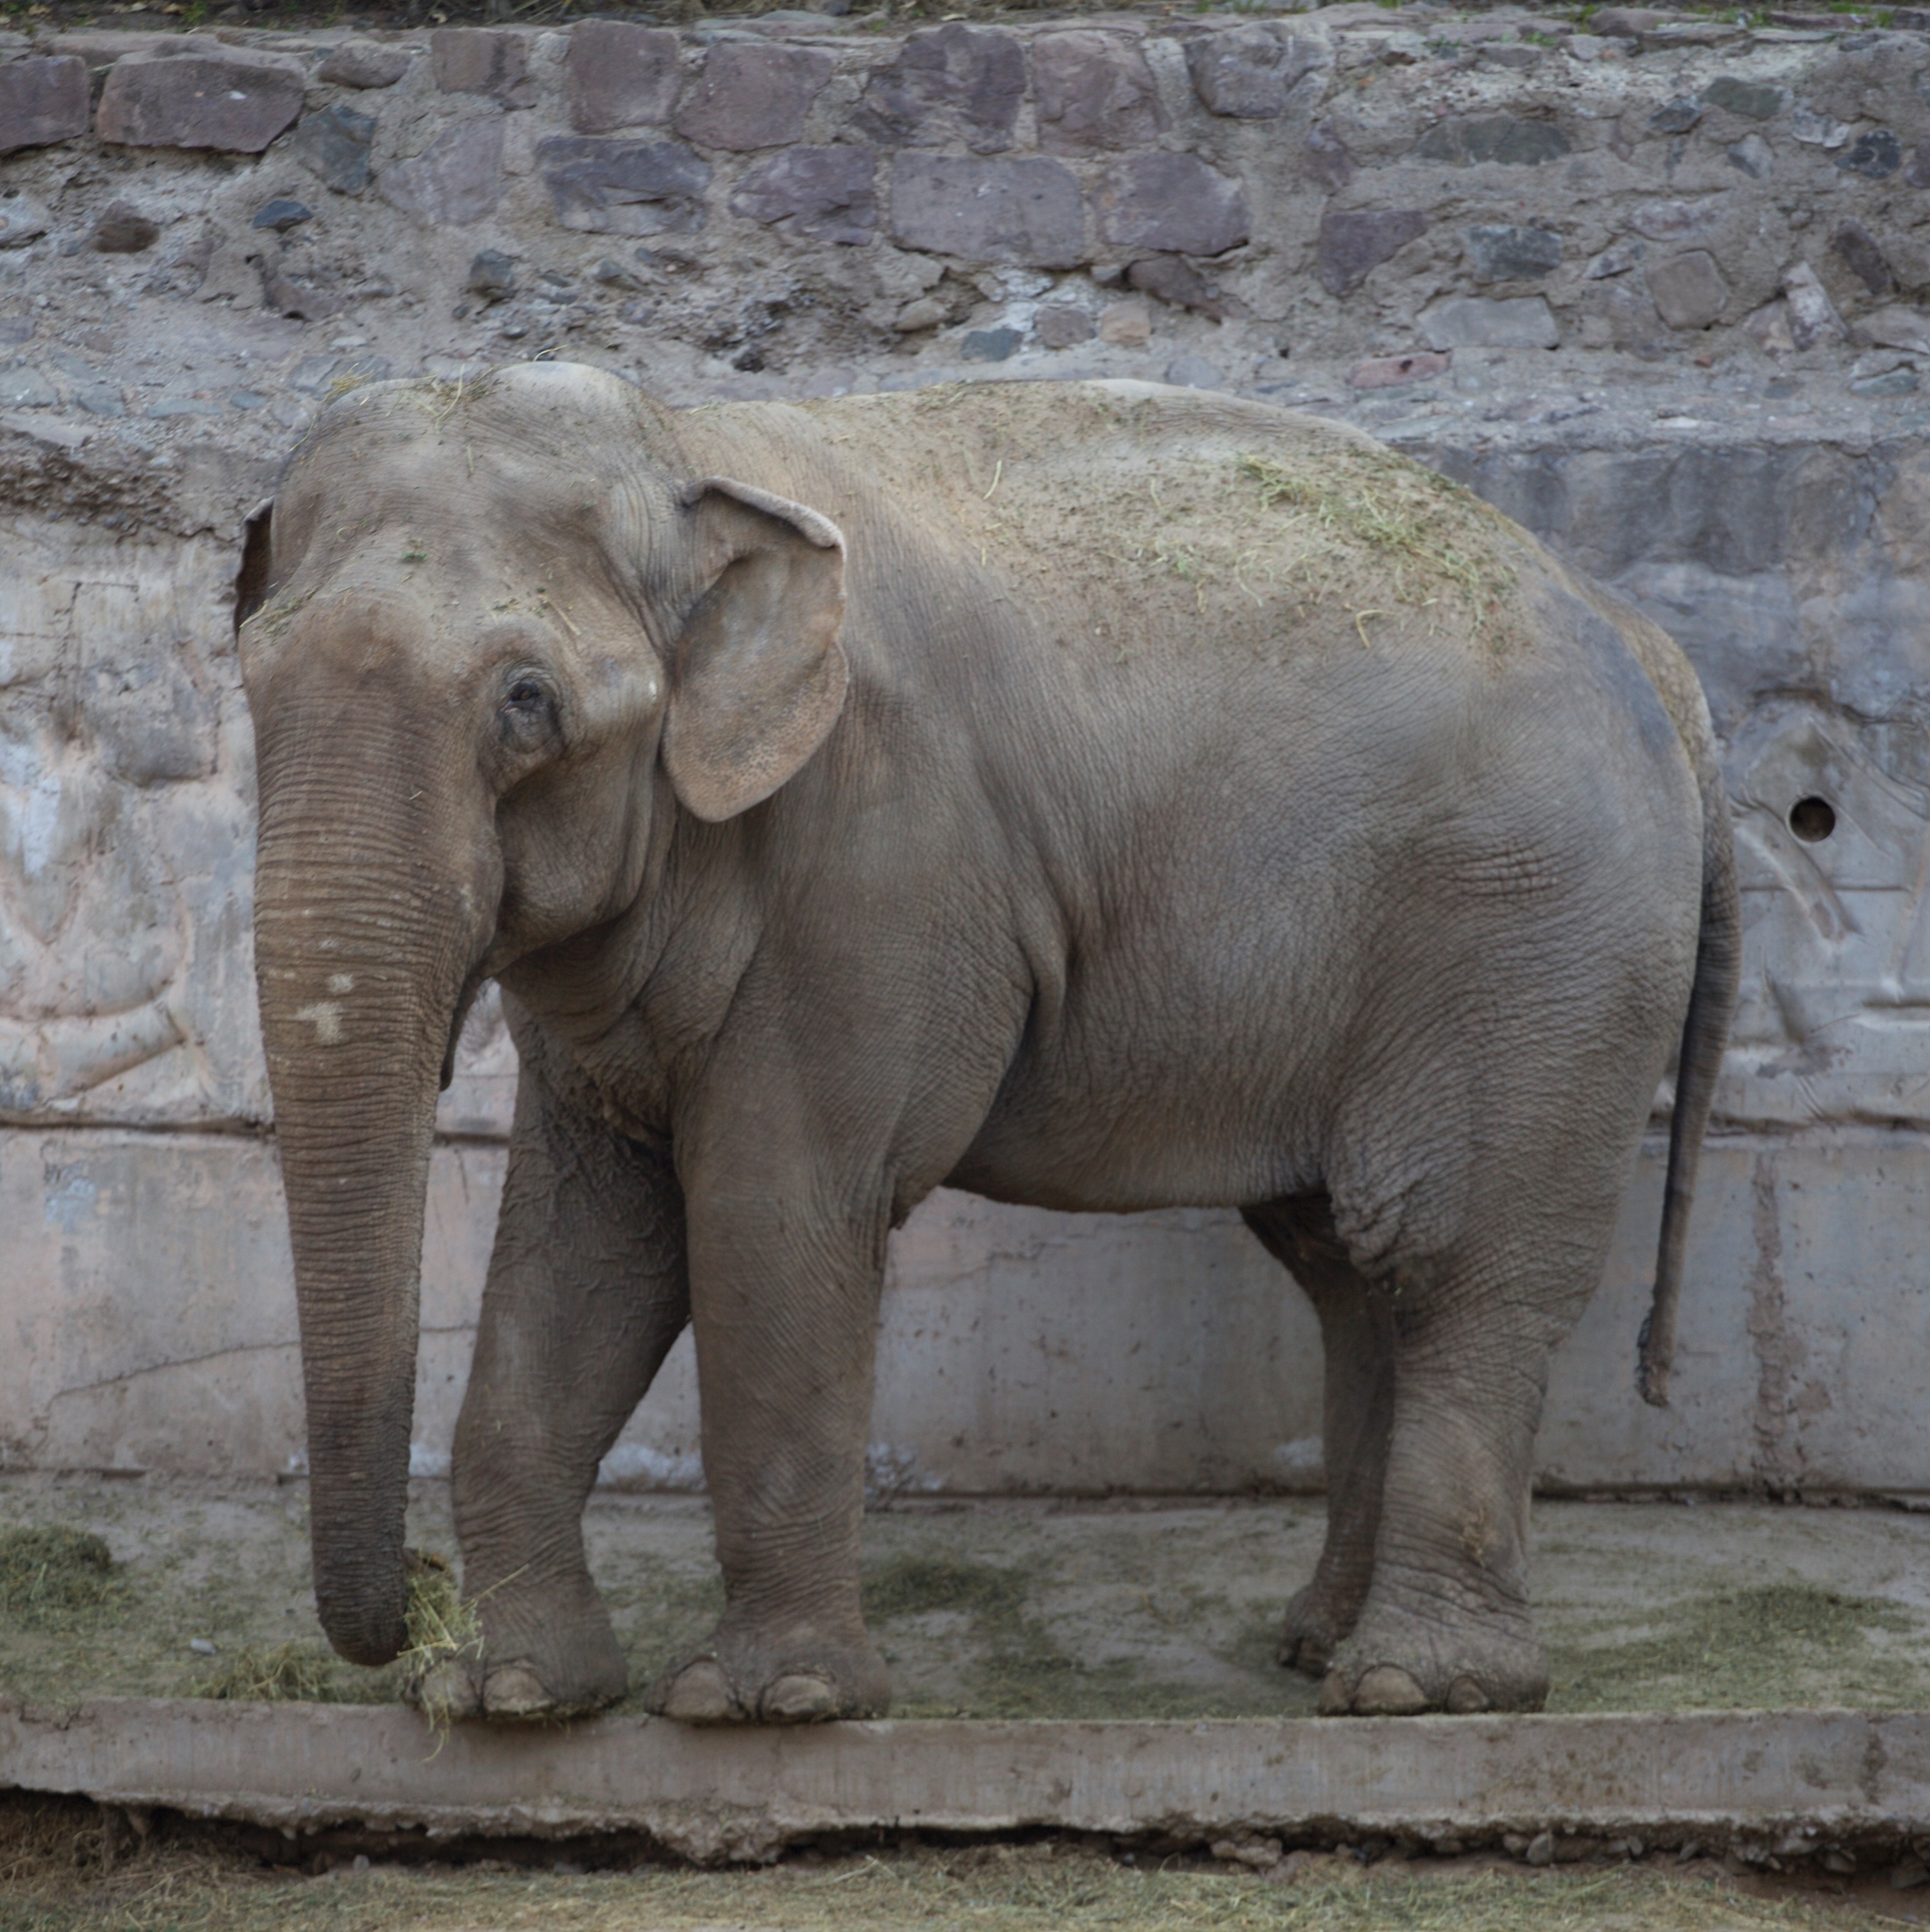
1033,1609
57,1874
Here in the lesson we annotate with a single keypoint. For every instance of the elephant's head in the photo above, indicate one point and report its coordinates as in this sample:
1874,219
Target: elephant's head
499,637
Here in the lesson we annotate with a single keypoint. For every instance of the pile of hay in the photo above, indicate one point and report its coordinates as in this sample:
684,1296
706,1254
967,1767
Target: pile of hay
47,1575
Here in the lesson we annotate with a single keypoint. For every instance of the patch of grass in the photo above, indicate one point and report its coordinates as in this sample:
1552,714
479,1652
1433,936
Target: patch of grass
49,1576
301,1673
442,1627
1748,1648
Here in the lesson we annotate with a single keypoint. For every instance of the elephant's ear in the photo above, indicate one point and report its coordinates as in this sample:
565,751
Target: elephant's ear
757,677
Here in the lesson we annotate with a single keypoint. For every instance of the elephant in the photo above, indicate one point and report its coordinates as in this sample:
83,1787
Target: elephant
1098,796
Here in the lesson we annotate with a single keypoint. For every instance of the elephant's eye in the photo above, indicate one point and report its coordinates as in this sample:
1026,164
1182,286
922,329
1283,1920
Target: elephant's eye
527,712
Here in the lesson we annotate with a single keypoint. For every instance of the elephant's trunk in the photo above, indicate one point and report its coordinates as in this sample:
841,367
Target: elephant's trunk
363,943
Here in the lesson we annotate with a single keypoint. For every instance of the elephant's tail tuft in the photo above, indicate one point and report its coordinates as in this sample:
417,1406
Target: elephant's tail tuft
1705,1033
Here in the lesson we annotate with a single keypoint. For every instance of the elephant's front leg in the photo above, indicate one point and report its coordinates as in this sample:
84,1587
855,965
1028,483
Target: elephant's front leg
585,1295
783,1296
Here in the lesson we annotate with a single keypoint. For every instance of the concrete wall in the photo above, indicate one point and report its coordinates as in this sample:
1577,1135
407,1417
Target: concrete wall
1766,498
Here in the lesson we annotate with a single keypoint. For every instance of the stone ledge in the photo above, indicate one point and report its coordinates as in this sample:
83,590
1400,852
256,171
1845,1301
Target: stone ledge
1772,1783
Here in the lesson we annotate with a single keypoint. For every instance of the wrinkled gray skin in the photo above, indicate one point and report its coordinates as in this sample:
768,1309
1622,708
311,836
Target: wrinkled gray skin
842,816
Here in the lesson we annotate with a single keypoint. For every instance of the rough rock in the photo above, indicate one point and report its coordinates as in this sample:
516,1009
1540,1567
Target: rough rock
1061,325
1356,241
1175,203
42,100
1095,94
1689,289
621,76
457,179
1485,322
1875,156
199,94
365,64
492,275
479,60
121,229
1676,117
282,214
1753,156
751,96
1394,372
287,296
1193,372
606,187
827,193
1327,160
989,345
1506,252
1496,137
1812,315
1246,72
1126,324
1754,100
334,143
950,83
22,220
1859,251
1024,212
1174,279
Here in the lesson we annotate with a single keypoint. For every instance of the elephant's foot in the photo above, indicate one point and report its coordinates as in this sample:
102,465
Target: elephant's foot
1398,1664
540,1657
797,1676
1317,1621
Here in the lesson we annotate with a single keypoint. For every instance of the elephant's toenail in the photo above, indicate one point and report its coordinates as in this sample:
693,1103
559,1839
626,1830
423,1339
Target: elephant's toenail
1465,1697
1389,1691
1336,1697
798,1697
515,1691
700,1694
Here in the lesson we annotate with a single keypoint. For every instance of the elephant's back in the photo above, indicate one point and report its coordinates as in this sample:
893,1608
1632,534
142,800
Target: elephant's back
1128,519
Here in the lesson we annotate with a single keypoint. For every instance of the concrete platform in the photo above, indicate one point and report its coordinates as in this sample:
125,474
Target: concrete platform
1791,1780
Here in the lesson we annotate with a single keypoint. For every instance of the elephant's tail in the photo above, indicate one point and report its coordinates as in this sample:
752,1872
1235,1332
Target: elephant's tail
1705,1033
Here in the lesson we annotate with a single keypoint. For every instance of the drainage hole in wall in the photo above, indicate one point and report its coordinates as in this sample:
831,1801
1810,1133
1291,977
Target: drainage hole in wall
1812,819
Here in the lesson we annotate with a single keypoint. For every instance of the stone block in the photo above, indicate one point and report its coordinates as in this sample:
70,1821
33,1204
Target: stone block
479,60
605,187
950,83
1175,203
1246,72
827,193
1356,241
1907,257
989,345
1126,324
492,275
365,64
1027,213
1875,156
1624,22
621,76
42,100
1506,252
285,295
1752,156
282,214
1327,158
1174,279
334,143
1754,100
1484,322
1675,117
199,94
1394,372
457,179
1094,94
1193,372
1466,140
1857,248
1689,289
121,229
1060,325
750,96
1812,315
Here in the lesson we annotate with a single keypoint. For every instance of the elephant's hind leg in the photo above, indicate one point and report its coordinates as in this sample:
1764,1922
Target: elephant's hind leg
1357,1338
586,1294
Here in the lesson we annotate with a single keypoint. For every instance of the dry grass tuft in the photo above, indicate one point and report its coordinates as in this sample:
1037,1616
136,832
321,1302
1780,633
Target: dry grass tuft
442,1629
288,1673
1429,533
47,1575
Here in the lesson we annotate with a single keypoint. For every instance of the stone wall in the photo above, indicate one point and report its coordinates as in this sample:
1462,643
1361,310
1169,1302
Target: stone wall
1650,288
